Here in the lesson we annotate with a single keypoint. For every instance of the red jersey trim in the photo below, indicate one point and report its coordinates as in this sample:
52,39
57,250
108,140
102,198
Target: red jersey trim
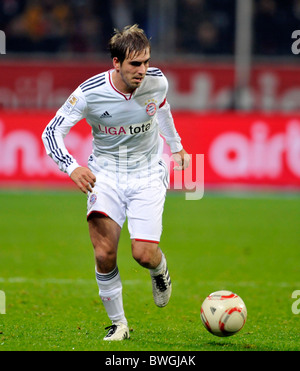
163,103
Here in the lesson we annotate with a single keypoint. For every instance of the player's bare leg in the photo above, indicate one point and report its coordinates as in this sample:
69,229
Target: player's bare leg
105,234
149,255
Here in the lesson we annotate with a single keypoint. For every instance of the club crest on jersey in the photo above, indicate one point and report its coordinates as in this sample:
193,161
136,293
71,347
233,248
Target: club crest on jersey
151,108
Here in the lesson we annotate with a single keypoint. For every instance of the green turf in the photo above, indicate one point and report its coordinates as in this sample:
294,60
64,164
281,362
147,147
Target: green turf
248,245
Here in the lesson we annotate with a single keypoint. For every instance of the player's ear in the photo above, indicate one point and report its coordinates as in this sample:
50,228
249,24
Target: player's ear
116,63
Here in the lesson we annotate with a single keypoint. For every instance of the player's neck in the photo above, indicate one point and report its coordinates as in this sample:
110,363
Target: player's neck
119,84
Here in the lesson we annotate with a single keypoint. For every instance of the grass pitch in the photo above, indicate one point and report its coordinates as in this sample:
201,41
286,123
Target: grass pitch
249,245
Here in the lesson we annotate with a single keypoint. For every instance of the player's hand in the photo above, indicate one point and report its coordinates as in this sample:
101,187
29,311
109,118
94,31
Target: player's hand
83,178
182,158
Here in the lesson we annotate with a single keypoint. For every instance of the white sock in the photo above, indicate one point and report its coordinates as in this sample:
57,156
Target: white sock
110,292
159,268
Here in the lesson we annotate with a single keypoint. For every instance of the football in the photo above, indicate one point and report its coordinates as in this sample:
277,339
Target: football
223,313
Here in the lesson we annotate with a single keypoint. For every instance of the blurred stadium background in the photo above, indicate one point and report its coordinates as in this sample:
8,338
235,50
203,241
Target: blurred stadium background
232,66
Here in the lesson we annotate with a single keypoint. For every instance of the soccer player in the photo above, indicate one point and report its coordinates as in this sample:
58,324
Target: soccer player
127,110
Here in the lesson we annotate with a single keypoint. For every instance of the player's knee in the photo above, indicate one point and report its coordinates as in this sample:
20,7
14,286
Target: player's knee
105,257
143,252
105,263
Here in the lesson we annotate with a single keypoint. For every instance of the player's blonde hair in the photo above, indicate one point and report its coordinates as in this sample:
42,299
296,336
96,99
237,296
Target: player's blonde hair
131,40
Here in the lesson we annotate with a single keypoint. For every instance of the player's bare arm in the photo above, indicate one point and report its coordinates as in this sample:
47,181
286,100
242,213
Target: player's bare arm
182,158
84,179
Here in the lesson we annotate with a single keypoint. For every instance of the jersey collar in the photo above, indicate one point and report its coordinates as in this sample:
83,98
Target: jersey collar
126,96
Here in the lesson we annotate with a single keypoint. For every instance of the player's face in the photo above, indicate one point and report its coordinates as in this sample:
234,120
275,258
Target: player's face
132,71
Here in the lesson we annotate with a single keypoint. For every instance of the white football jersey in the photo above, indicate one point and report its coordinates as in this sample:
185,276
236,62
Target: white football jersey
125,127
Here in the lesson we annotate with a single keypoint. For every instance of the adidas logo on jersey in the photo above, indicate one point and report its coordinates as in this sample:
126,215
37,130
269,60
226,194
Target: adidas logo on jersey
105,115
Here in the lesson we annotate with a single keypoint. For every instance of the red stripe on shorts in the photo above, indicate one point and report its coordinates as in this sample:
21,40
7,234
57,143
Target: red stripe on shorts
139,239
96,212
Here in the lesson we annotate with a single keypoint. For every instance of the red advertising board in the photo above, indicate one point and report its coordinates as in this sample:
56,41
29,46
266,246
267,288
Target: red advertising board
245,149
192,86
256,150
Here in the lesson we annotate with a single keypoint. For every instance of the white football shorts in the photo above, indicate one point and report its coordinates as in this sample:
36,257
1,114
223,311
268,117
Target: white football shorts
139,196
